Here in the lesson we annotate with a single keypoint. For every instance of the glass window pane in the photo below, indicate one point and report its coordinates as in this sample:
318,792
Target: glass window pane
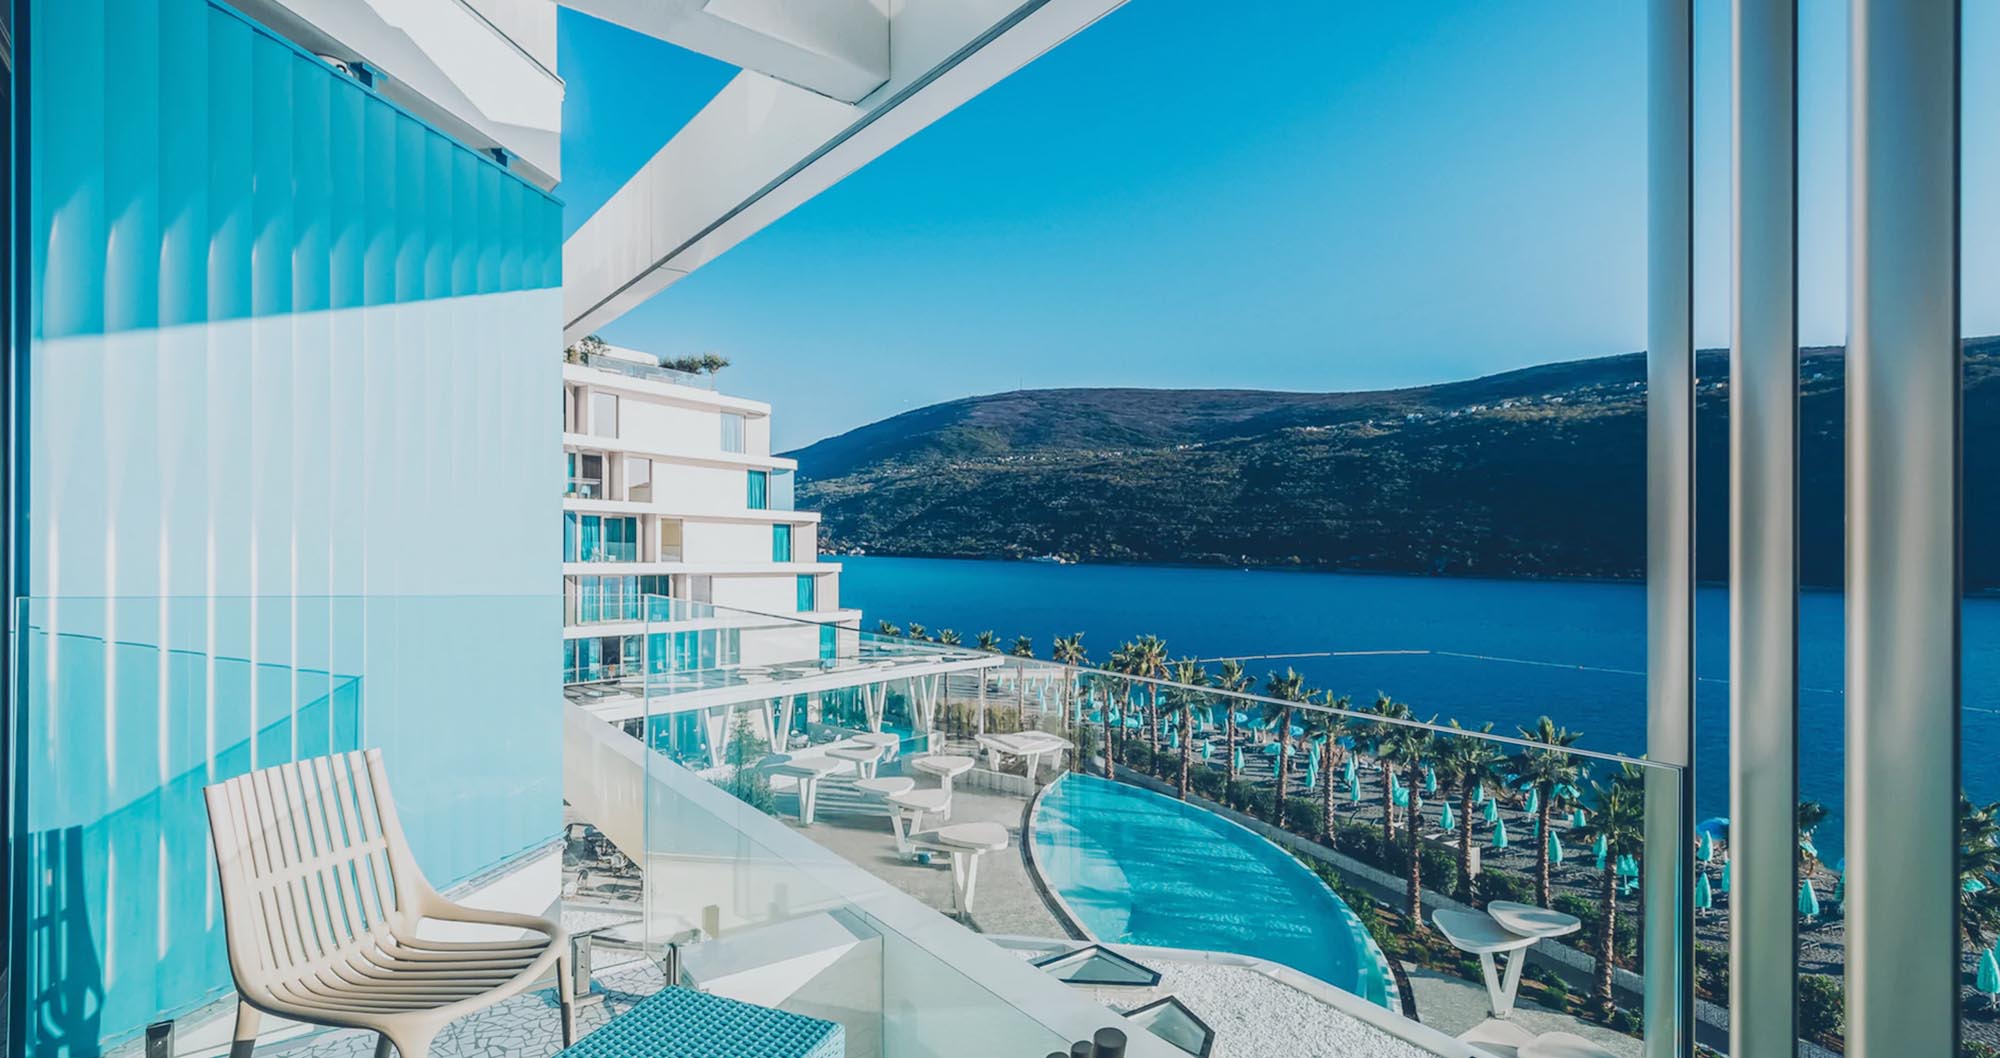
732,432
759,497
604,414
781,543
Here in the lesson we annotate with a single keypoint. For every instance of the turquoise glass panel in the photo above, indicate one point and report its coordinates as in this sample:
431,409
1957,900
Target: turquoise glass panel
781,543
266,305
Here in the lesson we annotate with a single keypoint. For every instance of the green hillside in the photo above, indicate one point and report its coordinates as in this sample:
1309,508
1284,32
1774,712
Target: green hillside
1537,472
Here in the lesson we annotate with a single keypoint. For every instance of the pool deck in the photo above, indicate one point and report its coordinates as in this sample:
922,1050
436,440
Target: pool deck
1006,900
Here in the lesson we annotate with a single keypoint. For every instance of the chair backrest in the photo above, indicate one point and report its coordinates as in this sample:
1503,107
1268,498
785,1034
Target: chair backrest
312,863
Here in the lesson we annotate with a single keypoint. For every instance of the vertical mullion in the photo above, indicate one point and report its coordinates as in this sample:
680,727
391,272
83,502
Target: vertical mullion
1903,435
1763,530
1669,893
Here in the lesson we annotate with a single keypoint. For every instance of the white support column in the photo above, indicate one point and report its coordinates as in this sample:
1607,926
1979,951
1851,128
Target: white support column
1903,436
1763,534
1668,863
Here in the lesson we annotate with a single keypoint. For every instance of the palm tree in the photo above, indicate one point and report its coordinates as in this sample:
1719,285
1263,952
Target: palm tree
1330,728
1068,650
1810,815
1543,770
988,641
1618,816
1978,870
1023,647
1189,677
1408,746
887,629
1119,663
948,637
917,631
1148,658
1234,680
1469,764
1289,688
1380,731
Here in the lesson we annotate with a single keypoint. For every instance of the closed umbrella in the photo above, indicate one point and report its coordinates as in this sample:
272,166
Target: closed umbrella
1988,982
1705,849
1600,848
1207,750
1725,875
1492,811
1446,820
1312,775
1347,772
1500,835
1430,780
1808,900
1480,797
1239,759
1578,819
1703,897
1534,802
1973,885
1555,848
1400,798
1174,739
1354,789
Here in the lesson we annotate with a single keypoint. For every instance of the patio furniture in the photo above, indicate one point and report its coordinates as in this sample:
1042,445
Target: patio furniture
891,743
1561,1045
808,771
683,1023
907,811
965,843
1030,746
1481,935
1530,920
864,758
945,767
322,900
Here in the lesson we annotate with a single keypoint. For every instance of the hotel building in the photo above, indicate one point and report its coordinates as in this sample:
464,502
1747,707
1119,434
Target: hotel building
672,492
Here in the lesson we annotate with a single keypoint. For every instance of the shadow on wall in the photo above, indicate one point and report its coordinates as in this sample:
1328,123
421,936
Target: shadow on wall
68,1003
125,924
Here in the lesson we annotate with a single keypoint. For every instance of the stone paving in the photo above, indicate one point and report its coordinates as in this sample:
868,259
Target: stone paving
526,1026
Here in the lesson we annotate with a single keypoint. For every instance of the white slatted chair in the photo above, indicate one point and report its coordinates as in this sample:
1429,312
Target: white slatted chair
322,899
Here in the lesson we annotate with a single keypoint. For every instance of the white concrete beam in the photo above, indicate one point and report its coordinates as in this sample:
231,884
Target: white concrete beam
836,48
762,147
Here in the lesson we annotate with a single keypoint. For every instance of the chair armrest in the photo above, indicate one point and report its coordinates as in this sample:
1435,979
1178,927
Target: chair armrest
437,907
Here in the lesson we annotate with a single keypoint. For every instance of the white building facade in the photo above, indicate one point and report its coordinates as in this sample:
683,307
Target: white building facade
672,491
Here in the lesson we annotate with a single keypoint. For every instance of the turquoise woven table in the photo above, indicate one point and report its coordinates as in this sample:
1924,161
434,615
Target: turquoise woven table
684,1023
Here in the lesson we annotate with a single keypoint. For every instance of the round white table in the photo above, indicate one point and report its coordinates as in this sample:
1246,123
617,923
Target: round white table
908,808
965,843
863,757
1561,1045
946,767
886,786
808,771
1531,921
891,743
1481,935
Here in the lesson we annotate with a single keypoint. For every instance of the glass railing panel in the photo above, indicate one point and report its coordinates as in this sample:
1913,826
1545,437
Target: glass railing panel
1177,837
125,708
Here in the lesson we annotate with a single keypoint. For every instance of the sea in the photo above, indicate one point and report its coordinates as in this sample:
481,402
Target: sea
1505,651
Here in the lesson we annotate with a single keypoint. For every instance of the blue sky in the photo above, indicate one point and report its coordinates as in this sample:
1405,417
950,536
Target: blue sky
1295,196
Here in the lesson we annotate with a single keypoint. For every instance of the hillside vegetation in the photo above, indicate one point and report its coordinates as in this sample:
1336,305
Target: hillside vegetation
1532,473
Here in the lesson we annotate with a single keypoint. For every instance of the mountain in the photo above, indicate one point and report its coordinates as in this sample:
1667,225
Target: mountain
1532,473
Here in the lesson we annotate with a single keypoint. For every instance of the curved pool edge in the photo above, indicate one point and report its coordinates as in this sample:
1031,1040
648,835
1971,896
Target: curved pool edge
1066,915
1392,997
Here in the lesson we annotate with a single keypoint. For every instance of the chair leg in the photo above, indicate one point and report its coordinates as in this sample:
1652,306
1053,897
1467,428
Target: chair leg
248,1018
382,1046
566,998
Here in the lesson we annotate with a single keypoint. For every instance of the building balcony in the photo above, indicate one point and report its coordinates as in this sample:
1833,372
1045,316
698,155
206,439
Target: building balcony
727,819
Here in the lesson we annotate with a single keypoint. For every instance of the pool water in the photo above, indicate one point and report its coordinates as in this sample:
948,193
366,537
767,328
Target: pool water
1141,868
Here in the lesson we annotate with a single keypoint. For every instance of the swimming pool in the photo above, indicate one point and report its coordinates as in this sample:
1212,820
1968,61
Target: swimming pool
1141,868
